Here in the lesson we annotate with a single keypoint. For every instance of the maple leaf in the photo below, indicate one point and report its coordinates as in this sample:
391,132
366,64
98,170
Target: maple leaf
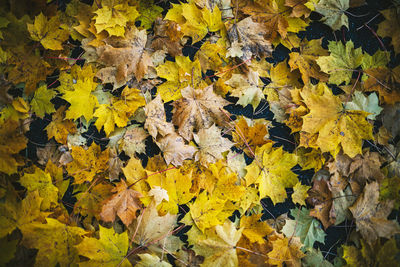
174,149
40,103
341,62
124,203
314,257
167,35
90,200
83,105
149,13
226,186
247,89
379,59
254,229
114,19
156,120
390,27
250,134
87,163
334,13
305,227
178,186
206,211
335,126
286,250
281,77
195,22
370,215
300,7
198,109
179,74
11,142
320,196
272,177
134,141
368,104
41,181
310,158
389,190
384,81
305,60
249,36
123,58
219,248
211,145
155,230
109,250
300,193
134,170
16,214
54,240
48,32
148,260
212,55
110,115
59,128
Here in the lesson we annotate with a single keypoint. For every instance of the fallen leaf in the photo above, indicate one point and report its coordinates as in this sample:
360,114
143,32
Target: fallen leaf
124,203
198,109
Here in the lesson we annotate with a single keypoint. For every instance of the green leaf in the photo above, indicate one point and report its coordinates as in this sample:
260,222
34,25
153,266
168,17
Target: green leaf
304,226
334,13
314,258
341,62
369,104
41,101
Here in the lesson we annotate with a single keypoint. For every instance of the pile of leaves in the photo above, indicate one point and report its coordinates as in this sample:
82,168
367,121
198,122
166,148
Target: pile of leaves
136,132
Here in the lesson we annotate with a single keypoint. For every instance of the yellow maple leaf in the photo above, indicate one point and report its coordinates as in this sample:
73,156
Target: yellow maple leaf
285,250
54,241
304,60
41,181
84,104
109,250
16,214
11,142
111,115
254,229
179,74
219,247
114,19
48,32
300,193
41,101
195,22
87,163
207,211
333,127
178,186
271,171
59,128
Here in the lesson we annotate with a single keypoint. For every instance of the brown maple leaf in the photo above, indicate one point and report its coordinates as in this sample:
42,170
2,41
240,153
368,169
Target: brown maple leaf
167,36
250,36
370,215
199,108
175,150
124,203
320,196
123,58
156,120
